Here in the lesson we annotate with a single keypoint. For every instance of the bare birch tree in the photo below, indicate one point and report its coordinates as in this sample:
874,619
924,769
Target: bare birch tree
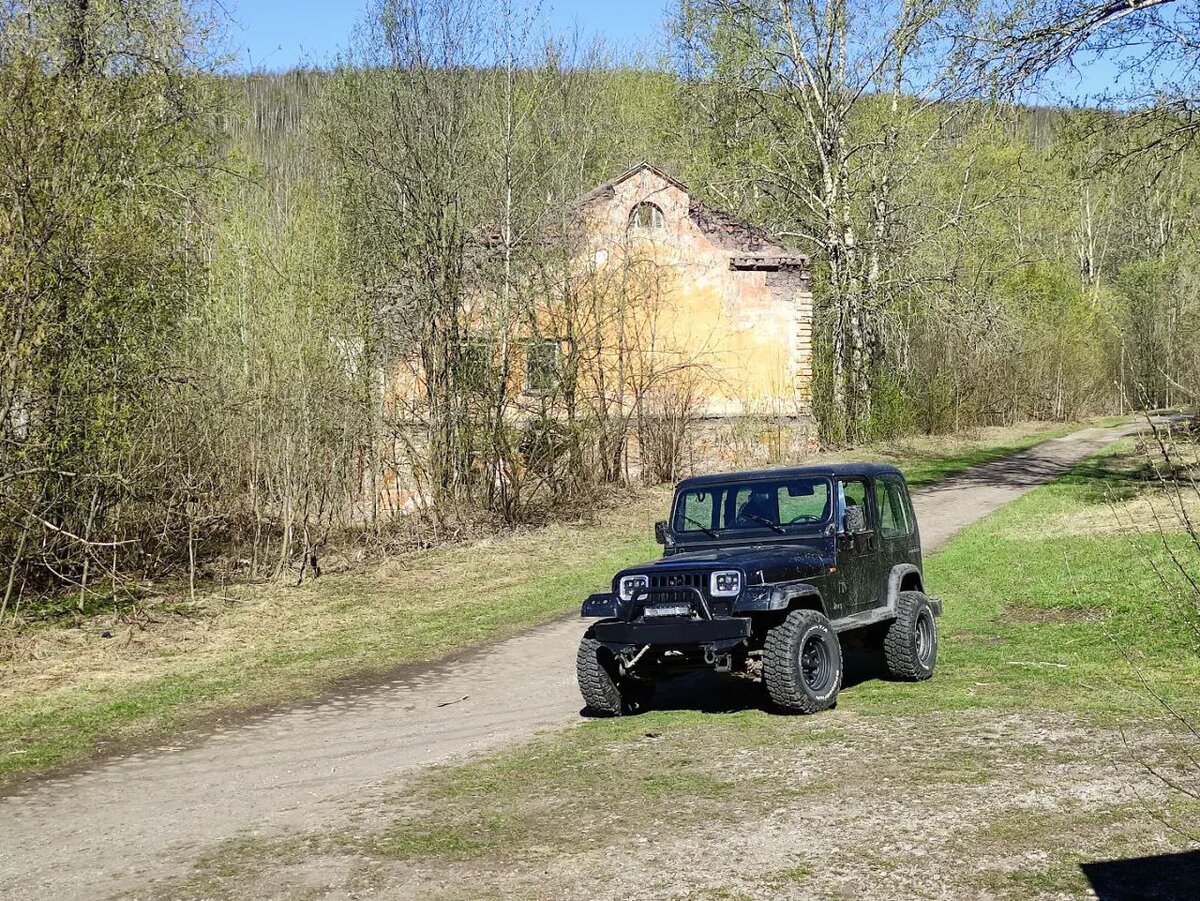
852,96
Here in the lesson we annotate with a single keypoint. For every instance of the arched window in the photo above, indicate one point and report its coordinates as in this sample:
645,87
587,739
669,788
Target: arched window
646,216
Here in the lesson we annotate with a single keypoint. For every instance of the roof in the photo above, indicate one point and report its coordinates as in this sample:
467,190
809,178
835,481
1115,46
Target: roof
831,470
608,189
751,246
726,229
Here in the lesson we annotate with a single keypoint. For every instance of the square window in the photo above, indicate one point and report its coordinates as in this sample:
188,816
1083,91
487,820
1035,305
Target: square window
541,365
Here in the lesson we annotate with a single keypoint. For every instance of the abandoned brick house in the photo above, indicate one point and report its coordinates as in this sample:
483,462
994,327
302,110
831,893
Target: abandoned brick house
703,298
734,301
698,290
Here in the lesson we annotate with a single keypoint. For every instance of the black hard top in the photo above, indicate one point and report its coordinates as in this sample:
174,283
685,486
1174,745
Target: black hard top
832,470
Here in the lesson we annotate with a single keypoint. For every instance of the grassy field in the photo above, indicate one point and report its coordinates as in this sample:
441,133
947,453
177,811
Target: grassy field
926,461
1042,744
69,692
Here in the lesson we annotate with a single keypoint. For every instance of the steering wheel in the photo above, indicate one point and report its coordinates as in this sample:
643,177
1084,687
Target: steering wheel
802,517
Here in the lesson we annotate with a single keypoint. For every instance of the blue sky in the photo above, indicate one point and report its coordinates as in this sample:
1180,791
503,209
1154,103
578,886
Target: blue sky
280,34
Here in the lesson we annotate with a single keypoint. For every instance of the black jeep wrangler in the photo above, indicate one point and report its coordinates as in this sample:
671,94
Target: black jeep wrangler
767,574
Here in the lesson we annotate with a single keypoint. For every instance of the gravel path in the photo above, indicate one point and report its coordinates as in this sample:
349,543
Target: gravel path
129,823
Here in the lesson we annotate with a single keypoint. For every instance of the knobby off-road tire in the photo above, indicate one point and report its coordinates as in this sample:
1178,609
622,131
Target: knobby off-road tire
604,692
910,645
802,663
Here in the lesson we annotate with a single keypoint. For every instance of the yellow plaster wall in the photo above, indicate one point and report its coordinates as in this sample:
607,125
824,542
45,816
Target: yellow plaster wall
751,343
747,347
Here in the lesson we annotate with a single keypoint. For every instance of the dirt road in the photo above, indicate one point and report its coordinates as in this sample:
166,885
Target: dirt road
131,822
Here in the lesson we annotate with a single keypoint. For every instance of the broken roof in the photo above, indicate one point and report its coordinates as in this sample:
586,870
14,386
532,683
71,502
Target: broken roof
754,247
608,190
725,229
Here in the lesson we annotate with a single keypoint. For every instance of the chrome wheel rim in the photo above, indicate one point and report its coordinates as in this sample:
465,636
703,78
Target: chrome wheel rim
816,663
926,638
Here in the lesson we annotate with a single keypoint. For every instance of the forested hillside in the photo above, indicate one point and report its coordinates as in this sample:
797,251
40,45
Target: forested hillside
205,274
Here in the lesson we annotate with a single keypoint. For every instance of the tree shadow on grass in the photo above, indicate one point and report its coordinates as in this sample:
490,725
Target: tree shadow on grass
1095,480
1103,480
1164,877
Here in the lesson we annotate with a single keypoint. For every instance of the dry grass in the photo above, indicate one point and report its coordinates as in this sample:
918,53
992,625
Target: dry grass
145,640
63,688
158,666
743,805
1141,515
1130,499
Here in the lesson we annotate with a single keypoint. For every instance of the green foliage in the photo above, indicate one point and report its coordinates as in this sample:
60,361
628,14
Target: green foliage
204,276
105,161
965,252
891,413
1157,312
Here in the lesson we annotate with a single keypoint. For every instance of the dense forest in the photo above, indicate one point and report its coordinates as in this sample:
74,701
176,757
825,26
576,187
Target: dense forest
206,276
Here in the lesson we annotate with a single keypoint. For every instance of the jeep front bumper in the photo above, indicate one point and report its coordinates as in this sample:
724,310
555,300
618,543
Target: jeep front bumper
677,632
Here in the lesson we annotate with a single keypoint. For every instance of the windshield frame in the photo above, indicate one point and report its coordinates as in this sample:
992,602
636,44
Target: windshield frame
781,531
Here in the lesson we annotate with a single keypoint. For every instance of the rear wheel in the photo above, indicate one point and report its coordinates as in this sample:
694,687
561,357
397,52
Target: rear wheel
605,691
910,645
802,663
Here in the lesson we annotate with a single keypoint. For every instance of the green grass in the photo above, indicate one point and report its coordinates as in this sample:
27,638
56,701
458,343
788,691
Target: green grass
74,694
928,464
1041,625
1073,621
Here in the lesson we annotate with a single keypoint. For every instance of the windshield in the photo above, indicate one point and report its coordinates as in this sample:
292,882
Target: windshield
775,505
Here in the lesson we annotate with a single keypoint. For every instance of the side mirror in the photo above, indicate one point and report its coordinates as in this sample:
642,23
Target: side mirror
856,520
660,532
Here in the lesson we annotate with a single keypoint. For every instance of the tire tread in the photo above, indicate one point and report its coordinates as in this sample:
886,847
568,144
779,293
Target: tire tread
600,692
900,642
780,674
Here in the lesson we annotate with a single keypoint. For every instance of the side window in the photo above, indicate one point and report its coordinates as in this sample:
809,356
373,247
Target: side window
852,493
895,518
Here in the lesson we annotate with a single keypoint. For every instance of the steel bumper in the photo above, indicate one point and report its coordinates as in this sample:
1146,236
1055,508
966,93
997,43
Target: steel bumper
686,632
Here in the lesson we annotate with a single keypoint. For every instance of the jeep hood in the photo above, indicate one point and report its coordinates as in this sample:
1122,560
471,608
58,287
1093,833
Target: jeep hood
760,563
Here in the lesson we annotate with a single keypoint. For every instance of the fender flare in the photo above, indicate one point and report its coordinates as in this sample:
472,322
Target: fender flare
896,576
780,596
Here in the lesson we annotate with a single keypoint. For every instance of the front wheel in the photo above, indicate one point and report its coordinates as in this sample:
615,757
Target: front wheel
802,663
910,645
605,691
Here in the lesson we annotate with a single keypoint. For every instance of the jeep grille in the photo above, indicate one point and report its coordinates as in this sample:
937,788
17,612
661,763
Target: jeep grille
667,596
681,580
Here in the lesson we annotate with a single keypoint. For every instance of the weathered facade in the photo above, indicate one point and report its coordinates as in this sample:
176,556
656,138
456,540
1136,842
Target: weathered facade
668,332
735,306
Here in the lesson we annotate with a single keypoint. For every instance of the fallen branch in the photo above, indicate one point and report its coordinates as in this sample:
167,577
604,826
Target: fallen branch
1036,663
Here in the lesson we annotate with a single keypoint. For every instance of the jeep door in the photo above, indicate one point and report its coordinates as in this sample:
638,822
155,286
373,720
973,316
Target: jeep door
898,536
858,558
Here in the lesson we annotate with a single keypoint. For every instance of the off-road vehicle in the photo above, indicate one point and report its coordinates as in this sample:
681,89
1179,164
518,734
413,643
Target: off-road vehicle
766,574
